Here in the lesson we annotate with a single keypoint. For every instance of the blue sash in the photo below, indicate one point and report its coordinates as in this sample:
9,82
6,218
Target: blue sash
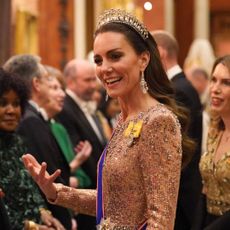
100,211
100,204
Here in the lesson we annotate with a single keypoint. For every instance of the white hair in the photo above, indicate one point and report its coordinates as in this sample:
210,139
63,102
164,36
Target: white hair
200,55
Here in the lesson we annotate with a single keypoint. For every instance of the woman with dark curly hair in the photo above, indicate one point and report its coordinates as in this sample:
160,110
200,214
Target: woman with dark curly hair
22,198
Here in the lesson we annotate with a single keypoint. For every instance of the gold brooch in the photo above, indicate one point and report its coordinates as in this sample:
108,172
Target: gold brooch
133,131
105,224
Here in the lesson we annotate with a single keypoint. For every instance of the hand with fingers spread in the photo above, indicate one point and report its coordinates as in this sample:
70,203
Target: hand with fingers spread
39,174
83,151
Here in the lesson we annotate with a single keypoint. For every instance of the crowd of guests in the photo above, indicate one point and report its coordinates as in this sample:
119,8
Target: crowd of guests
66,119
54,116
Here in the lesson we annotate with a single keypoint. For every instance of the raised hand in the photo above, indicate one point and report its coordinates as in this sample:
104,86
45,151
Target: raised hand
39,174
83,151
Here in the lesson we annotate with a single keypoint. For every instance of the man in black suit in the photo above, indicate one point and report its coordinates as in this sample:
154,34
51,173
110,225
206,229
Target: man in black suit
185,95
34,126
79,118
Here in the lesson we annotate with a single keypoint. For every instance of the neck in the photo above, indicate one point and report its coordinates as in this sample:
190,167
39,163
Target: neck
50,114
226,121
168,64
5,136
37,100
132,105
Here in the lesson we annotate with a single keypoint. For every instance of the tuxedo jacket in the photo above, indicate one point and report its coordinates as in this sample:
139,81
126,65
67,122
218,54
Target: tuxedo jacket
190,182
78,127
42,145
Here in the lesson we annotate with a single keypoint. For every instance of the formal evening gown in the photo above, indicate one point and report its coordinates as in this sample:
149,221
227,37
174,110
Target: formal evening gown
140,176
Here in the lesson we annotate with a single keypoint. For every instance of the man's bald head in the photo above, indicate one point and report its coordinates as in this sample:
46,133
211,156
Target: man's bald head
80,78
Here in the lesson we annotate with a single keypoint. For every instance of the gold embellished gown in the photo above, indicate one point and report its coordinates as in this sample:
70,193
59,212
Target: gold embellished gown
216,177
140,178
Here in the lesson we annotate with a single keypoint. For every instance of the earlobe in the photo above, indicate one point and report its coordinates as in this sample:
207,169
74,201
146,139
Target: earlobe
35,83
161,51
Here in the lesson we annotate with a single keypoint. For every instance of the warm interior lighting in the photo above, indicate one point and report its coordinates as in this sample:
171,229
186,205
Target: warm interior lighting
148,6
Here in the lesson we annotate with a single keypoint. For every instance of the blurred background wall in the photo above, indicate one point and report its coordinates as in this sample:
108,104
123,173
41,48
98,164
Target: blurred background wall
59,30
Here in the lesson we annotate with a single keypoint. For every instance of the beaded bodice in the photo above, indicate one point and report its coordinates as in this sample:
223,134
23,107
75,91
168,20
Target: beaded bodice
140,175
216,177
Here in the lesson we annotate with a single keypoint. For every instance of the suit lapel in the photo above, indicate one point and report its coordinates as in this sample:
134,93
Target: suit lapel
177,76
81,118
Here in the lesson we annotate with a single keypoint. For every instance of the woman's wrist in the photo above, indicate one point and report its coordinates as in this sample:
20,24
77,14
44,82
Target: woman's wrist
52,196
74,164
58,188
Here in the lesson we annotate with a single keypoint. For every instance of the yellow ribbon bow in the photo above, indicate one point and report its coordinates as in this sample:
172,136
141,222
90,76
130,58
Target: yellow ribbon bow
134,129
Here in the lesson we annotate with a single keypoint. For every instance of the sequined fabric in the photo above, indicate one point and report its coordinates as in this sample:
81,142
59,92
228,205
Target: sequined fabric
216,178
141,180
22,198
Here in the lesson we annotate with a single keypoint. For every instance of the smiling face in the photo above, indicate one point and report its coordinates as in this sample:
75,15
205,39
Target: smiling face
10,111
117,64
220,90
86,83
81,78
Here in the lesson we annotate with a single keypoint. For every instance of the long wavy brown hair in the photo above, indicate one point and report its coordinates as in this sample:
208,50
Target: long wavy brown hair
158,83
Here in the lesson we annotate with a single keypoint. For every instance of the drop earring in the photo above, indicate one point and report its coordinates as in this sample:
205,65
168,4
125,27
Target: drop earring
143,83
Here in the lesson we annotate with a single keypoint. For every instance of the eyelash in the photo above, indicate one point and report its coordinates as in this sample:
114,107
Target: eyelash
227,82
97,61
115,56
112,56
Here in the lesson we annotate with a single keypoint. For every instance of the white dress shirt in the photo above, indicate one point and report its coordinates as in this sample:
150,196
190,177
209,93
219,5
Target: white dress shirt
89,109
173,71
40,110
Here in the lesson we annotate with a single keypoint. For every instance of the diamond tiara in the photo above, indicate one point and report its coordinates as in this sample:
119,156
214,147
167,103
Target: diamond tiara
121,16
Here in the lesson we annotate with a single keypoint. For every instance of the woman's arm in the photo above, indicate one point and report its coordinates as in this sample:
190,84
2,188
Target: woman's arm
160,163
82,201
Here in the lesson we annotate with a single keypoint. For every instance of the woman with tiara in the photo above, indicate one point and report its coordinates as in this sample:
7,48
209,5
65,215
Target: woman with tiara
139,170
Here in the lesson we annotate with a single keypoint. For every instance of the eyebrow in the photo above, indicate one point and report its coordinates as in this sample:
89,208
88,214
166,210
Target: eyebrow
108,52
224,78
